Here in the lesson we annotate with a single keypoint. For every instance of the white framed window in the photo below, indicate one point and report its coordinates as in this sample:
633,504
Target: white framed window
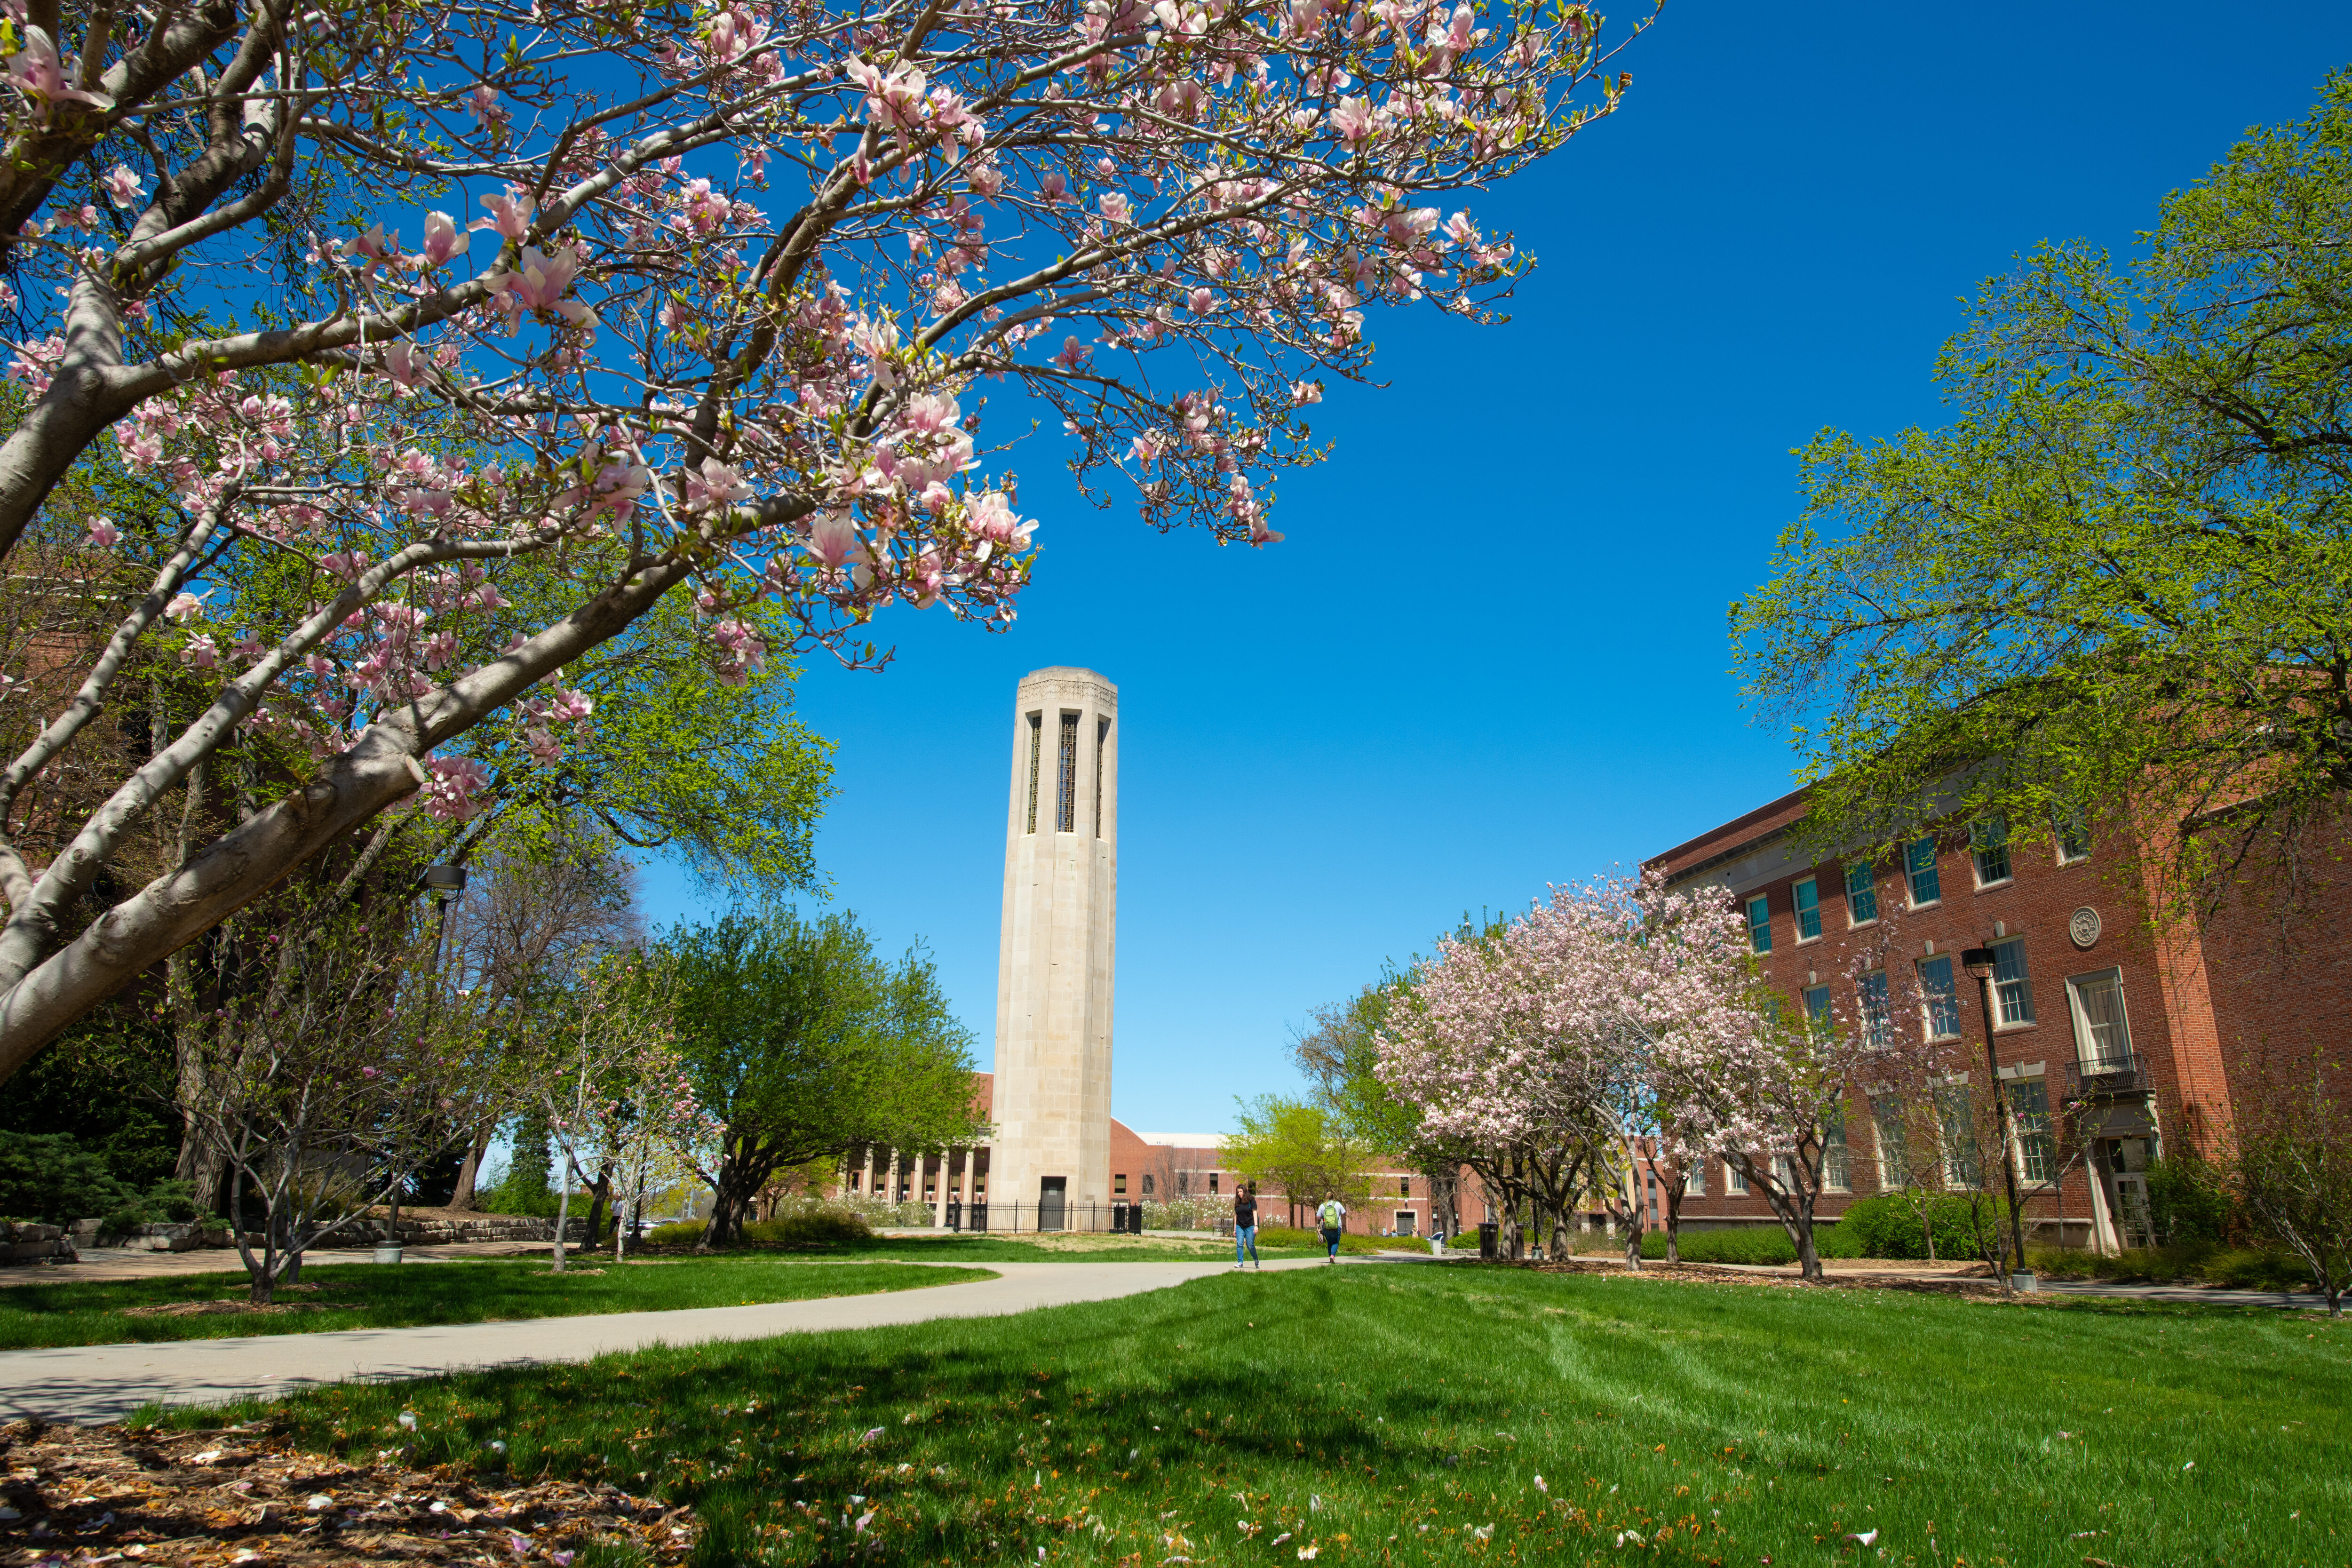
1837,1160
1694,1180
1893,1143
1956,1121
2012,990
1759,924
1733,1182
1807,897
1939,1000
1989,847
2101,1030
2029,1121
1877,1016
1862,894
2071,828
1919,869
1784,1172
1817,1006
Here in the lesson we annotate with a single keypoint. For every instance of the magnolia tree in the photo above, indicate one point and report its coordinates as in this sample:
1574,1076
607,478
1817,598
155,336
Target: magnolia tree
1630,1018
1472,1047
353,321
1762,1087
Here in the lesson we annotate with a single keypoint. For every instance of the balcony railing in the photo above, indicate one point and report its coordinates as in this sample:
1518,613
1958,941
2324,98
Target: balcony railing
2108,1075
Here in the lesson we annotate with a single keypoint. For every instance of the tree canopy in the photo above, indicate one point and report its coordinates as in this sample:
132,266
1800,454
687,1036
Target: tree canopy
803,1041
2115,593
442,345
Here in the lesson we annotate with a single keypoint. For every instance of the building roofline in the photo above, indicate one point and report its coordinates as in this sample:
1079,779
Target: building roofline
1721,843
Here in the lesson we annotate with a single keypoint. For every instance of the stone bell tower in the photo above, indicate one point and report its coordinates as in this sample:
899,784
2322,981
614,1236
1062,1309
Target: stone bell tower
1052,1106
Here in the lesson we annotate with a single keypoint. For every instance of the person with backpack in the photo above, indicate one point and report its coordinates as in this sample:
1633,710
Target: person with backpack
1333,1216
1245,1226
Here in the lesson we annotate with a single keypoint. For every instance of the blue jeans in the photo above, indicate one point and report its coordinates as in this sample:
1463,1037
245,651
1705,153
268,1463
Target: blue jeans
1244,1235
1331,1240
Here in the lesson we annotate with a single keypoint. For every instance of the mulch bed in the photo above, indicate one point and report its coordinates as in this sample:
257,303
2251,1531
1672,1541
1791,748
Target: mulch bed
78,1494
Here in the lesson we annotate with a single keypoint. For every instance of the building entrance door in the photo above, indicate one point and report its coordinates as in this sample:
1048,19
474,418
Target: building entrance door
1051,1193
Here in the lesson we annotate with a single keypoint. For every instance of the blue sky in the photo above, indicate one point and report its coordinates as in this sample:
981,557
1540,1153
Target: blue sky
1491,654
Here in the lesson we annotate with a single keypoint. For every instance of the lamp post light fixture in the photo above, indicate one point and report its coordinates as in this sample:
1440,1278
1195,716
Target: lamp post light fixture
446,882
1980,962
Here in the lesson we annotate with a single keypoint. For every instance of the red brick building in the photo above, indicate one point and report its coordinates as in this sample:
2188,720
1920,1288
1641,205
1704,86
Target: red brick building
1146,1167
2114,1045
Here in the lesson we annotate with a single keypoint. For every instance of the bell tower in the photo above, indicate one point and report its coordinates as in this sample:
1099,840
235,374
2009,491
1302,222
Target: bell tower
1052,1106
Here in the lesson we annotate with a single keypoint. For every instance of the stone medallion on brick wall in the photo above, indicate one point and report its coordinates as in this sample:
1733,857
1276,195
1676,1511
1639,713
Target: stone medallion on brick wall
2083,925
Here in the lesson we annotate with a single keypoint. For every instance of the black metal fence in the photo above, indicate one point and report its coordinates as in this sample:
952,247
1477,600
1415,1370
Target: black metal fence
1106,1219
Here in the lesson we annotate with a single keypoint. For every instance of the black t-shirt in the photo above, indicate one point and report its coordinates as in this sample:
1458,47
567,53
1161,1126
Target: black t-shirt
1245,1211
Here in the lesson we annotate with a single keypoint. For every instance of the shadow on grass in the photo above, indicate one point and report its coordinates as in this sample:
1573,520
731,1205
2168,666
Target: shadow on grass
1406,1414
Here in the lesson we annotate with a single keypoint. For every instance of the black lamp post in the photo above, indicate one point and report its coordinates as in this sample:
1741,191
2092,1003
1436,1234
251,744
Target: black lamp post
446,882
1979,961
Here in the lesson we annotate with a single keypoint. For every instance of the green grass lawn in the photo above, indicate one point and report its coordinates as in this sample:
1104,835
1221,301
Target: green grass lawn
369,1296
1403,1415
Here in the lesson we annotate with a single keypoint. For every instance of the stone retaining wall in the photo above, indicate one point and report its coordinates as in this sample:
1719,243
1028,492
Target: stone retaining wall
211,1232
30,1242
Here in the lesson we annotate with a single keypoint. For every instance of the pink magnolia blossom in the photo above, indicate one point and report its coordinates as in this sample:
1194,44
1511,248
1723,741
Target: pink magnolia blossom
122,185
39,75
103,533
453,793
442,239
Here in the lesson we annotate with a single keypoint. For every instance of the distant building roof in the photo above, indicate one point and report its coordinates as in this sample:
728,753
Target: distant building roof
1185,1139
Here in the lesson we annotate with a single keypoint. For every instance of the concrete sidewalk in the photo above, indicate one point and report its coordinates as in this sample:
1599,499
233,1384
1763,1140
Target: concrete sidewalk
105,1383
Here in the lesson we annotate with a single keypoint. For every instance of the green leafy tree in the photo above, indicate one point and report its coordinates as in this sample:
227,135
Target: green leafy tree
1301,1150
801,1041
2295,1173
2123,574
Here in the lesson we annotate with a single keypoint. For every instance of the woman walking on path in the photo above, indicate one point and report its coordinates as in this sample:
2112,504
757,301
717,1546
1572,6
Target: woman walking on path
1245,1226
1334,1217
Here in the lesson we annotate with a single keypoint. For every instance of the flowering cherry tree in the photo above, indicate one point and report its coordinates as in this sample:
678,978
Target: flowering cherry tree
330,325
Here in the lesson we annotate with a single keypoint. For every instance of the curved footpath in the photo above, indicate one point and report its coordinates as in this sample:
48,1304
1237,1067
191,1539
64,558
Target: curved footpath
87,1384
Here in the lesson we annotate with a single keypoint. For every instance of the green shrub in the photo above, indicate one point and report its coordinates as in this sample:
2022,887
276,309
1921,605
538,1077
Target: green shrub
1271,1235
1891,1223
2183,1263
806,1227
50,1178
2188,1201
821,1227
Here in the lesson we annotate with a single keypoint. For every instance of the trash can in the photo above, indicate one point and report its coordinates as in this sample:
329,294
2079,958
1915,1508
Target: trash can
388,1254
1437,1244
1488,1230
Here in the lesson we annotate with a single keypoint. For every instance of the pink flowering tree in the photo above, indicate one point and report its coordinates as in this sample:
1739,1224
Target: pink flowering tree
1759,1083
353,321
1467,1048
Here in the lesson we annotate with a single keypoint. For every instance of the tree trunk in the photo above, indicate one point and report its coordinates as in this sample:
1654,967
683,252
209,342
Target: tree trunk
598,1193
1674,1221
742,1175
468,1169
562,1217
